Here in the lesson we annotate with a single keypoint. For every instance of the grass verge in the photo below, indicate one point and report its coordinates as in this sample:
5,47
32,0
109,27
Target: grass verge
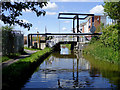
16,74
101,52
31,48
11,56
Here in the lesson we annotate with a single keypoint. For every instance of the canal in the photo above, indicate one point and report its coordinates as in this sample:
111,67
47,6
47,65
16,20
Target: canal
65,69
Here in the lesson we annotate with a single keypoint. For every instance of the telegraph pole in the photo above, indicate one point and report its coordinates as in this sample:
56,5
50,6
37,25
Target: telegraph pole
45,32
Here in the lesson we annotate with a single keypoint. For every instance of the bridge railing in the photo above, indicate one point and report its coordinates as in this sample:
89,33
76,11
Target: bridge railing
58,39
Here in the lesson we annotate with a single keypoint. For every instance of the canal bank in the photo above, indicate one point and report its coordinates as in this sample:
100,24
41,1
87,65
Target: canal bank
101,52
16,74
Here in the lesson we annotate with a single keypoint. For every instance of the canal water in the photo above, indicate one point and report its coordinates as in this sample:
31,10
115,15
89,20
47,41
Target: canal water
66,69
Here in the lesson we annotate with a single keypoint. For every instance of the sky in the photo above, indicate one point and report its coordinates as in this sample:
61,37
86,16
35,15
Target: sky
51,22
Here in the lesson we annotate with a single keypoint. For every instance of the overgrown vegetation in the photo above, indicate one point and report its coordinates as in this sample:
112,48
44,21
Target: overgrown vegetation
105,47
19,71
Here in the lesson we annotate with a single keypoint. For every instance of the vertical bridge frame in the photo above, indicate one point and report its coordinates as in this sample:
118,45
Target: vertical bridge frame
75,16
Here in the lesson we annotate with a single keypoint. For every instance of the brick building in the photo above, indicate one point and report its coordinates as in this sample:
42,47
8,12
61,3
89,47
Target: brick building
92,24
98,19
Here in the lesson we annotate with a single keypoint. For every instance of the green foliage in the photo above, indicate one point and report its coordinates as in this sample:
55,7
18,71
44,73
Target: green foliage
16,9
5,58
94,39
67,45
109,37
7,28
113,10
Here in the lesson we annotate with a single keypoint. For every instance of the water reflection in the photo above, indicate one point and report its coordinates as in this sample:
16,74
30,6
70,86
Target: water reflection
64,50
72,71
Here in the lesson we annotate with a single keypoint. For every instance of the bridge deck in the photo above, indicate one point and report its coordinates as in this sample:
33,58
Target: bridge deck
66,34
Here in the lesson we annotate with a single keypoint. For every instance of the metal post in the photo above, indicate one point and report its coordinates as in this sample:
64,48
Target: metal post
73,26
28,39
77,28
31,40
39,41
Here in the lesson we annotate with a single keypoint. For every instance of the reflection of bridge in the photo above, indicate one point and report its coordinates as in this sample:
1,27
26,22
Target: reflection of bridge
58,55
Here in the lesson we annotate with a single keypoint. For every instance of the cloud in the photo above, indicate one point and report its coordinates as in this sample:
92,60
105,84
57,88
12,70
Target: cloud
36,28
66,21
64,28
25,21
27,10
99,9
50,6
51,13
1,23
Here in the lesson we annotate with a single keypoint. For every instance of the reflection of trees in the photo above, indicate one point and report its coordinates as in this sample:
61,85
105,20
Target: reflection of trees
113,76
94,72
106,69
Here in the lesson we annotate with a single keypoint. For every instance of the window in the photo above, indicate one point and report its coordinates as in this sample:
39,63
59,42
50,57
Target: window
98,19
89,26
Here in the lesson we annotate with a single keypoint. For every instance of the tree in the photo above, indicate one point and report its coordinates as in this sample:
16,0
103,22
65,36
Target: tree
113,10
15,10
7,28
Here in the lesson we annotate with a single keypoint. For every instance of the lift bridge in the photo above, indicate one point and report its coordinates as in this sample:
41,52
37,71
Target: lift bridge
63,38
76,39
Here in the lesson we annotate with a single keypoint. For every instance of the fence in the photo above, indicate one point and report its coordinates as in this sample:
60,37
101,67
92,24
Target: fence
12,42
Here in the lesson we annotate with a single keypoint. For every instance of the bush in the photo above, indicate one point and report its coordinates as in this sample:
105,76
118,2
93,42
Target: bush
109,37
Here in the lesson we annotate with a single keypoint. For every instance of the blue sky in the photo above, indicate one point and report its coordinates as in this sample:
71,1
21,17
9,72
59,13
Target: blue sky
51,21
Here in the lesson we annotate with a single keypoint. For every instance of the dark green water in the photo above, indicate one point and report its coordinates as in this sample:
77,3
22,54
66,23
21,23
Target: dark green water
70,70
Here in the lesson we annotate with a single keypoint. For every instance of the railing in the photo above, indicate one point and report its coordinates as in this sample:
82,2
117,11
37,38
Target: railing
58,39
